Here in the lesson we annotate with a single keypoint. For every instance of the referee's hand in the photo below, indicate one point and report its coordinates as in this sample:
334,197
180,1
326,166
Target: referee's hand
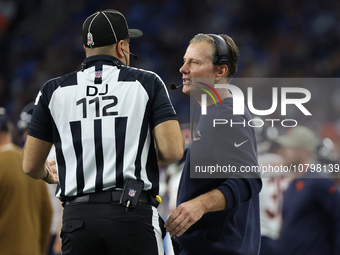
52,176
184,216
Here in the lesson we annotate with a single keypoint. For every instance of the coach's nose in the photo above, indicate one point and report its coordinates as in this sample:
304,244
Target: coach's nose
184,68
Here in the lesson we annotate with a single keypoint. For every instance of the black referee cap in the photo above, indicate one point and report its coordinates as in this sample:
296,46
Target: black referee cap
106,27
3,120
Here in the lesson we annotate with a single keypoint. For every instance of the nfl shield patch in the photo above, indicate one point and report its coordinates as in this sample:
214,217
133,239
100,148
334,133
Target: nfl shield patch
99,74
90,39
132,193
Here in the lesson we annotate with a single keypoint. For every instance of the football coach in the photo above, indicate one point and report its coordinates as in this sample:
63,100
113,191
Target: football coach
217,215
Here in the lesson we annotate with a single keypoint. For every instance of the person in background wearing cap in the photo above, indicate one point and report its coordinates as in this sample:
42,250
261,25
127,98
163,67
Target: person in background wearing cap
311,203
25,207
217,215
22,126
109,124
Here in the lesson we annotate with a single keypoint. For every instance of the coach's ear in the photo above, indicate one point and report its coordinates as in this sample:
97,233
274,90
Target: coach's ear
222,71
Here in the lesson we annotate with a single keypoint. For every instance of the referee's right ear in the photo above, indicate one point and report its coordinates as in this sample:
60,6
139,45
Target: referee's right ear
119,51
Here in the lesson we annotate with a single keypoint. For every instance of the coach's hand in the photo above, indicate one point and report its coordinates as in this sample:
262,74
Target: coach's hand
184,216
188,213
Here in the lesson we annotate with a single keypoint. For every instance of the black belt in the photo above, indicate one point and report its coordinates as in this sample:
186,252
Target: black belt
107,197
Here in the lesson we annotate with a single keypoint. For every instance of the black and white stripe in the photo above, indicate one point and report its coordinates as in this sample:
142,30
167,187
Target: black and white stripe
102,132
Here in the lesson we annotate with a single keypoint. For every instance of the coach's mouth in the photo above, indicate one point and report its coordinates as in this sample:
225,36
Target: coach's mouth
186,81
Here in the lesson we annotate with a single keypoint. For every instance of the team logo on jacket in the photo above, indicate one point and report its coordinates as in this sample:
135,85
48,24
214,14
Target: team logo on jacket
132,192
197,136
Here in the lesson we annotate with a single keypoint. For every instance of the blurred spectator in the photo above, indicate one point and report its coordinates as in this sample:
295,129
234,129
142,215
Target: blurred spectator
273,186
25,207
328,155
22,126
311,203
8,10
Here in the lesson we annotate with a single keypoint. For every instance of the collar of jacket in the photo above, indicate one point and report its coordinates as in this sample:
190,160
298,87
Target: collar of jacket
104,59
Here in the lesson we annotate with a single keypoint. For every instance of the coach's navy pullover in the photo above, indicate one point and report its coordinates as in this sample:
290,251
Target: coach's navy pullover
311,217
235,230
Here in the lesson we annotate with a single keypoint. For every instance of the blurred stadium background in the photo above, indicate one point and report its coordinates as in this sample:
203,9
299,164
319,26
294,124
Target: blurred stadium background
41,39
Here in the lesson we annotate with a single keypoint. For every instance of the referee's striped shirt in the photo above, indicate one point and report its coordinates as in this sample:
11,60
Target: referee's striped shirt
100,120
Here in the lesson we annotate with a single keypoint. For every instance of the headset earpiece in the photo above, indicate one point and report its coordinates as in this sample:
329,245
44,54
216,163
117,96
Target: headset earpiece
222,57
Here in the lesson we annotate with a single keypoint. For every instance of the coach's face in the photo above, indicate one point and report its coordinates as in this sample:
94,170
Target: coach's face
197,64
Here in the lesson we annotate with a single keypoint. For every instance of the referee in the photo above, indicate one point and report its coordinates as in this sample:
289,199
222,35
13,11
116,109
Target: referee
109,124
